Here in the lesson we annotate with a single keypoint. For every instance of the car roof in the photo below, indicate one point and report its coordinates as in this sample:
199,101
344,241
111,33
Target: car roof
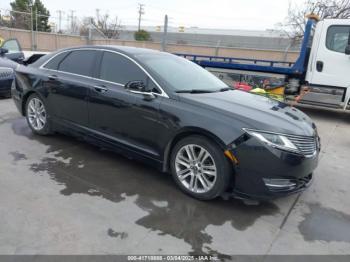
128,50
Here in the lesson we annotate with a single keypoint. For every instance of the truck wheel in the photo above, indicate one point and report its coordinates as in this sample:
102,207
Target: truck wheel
200,168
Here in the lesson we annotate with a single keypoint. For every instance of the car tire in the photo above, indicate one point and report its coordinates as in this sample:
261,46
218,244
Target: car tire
206,173
37,115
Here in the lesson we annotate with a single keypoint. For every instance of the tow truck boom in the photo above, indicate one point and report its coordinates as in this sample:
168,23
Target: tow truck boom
321,68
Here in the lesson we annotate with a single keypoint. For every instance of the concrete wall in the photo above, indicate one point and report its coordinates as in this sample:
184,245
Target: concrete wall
235,41
51,42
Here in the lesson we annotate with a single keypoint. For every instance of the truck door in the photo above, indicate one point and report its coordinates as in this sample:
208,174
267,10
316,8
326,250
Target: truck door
329,67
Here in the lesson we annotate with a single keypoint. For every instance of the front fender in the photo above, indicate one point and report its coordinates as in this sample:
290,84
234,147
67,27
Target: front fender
181,119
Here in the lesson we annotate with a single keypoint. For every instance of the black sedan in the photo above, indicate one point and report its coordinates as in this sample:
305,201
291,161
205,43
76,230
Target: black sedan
169,112
7,68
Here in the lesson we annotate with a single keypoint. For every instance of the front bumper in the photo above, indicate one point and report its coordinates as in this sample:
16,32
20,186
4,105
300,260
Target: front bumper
264,172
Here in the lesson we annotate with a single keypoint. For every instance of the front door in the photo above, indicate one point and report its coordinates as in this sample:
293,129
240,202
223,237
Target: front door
120,114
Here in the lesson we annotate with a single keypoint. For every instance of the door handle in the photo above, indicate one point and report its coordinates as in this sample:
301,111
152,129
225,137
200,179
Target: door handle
52,77
101,89
319,66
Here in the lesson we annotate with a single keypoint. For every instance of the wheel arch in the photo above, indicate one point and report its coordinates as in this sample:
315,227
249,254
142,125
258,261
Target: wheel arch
25,98
185,132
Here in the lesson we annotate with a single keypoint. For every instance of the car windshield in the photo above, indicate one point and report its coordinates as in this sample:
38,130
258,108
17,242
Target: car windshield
181,74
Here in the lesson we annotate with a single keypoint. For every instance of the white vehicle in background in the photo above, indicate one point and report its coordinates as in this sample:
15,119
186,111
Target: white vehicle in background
320,76
11,55
12,50
328,70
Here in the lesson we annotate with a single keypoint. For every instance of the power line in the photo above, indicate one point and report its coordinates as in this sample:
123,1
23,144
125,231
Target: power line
141,12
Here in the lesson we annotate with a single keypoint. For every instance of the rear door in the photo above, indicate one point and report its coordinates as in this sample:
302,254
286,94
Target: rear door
68,80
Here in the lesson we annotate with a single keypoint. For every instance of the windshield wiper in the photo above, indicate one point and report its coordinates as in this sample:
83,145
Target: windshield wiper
225,89
195,91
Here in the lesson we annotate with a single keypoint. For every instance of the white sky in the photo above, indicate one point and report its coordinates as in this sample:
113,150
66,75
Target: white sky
225,14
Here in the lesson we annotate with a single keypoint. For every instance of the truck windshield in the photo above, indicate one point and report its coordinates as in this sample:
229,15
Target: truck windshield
182,75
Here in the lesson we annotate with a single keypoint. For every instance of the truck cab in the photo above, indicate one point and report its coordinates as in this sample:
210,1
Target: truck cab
328,70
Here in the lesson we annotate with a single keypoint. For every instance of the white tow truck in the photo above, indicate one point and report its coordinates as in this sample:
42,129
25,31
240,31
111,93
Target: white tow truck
320,76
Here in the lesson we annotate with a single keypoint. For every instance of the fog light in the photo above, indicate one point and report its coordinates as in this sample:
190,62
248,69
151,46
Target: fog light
276,184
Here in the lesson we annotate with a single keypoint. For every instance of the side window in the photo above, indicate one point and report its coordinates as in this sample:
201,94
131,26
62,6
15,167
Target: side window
54,62
337,38
118,69
12,45
78,62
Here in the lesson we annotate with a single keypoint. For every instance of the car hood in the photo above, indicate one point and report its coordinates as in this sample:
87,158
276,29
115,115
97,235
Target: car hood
254,111
4,62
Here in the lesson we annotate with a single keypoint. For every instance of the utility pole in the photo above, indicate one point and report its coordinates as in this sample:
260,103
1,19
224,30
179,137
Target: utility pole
72,20
36,20
141,12
165,32
36,29
31,27
59,21
98,14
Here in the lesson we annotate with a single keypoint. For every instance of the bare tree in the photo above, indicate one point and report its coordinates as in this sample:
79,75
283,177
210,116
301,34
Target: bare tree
295,22
109,28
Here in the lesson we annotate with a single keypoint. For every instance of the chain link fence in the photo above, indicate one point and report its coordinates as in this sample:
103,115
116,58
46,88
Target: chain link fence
100,29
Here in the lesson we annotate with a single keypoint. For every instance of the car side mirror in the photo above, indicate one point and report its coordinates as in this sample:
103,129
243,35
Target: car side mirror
3,51
137,86
347,50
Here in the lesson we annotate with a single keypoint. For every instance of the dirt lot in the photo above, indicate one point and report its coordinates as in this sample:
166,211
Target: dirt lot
61,196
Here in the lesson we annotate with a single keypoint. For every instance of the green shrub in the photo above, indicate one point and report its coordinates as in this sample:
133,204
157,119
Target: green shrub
142,35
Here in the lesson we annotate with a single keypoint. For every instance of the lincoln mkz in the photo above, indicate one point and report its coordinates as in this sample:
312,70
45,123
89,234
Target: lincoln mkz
169,112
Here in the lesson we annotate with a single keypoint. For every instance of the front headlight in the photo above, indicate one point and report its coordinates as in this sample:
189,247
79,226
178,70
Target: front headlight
273,139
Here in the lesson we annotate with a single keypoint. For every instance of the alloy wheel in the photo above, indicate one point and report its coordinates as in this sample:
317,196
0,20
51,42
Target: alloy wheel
195,168
36,114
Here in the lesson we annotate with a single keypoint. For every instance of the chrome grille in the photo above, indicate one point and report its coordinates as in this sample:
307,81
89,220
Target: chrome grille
306,144
6,73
